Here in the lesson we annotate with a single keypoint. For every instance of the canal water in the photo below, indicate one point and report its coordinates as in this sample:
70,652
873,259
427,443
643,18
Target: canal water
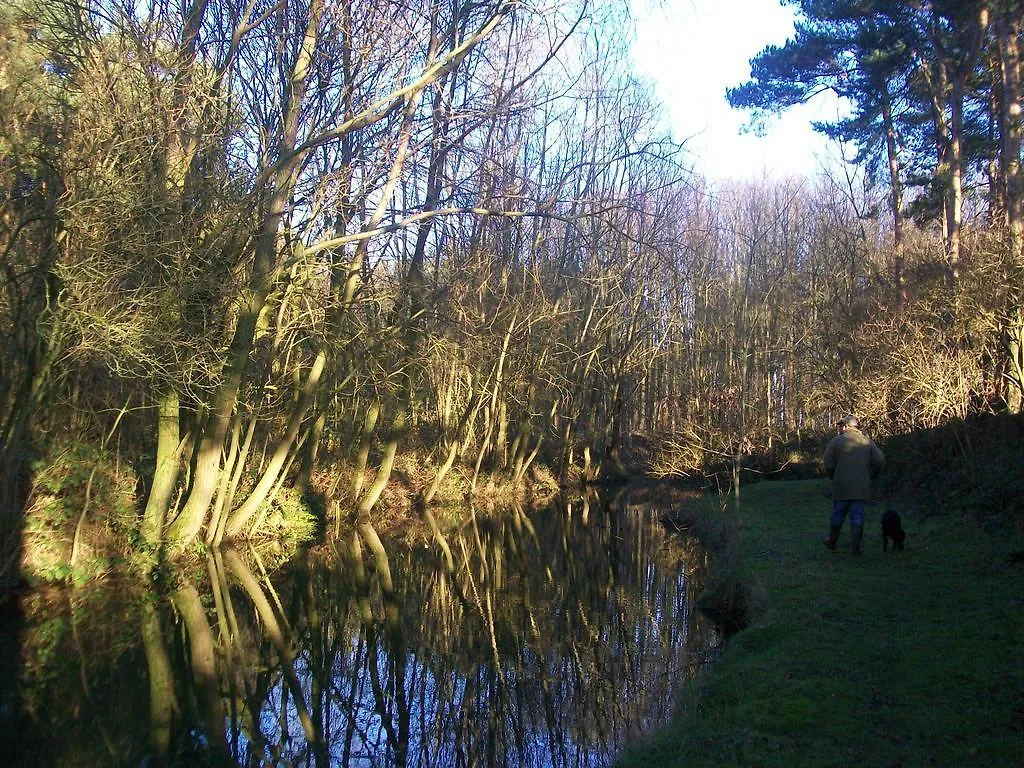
551,637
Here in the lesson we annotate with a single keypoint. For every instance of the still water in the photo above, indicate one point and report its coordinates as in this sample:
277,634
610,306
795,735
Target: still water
550,638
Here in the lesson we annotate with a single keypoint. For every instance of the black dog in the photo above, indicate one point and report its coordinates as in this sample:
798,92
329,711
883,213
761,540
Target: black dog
892,528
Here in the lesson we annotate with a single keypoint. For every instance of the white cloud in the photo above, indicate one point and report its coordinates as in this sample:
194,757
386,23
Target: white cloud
693,50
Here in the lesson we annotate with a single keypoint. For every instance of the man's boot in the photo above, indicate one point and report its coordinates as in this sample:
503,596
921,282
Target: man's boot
833,537
856,536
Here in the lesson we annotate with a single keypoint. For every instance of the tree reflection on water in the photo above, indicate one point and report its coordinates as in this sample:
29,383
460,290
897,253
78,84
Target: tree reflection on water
551,639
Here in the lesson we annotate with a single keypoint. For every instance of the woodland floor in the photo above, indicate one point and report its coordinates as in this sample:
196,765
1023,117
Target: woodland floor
911,658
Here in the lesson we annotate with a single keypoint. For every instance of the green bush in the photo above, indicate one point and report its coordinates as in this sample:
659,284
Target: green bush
77,491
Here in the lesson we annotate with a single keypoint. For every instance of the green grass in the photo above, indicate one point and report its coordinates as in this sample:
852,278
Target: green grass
910,658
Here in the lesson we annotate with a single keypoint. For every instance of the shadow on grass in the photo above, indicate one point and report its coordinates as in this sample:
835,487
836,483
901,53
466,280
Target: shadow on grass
891,658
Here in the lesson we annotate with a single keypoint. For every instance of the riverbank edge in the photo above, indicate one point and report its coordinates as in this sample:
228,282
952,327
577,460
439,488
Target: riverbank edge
887,659
60,545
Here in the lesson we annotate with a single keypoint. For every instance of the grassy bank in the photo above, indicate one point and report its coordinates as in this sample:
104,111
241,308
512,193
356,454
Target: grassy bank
912,658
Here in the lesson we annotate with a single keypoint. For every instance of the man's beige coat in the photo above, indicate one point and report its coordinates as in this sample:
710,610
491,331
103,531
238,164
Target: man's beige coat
851,459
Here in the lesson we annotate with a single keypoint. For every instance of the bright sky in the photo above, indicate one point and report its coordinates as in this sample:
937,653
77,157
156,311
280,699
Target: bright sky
693,50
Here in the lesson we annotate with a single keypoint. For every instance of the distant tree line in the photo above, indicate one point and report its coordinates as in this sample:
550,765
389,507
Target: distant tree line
934,90
254,252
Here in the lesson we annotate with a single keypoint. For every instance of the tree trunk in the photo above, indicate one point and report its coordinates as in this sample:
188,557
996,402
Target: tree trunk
184,529
956,169
1008,29
167,465
1011,126
383,472
895,197
238,520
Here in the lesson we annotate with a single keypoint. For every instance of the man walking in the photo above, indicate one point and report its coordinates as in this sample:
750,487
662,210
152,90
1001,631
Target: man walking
851,460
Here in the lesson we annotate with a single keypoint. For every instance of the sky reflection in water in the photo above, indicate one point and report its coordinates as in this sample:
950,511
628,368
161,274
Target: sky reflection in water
558,636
